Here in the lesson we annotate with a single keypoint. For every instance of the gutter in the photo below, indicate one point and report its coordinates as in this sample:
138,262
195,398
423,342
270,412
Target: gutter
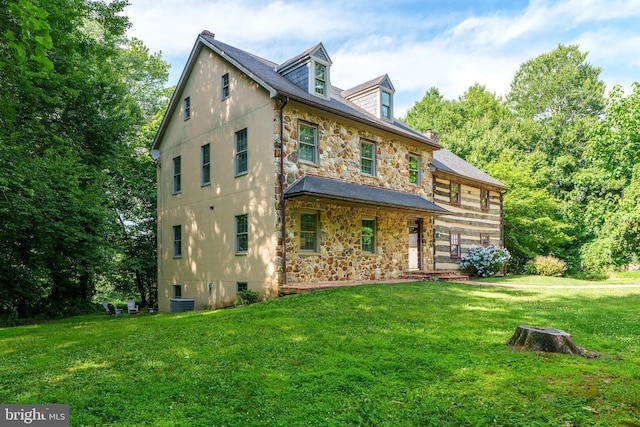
281,179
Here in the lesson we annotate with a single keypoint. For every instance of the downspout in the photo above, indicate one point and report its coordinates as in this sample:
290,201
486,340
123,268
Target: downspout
281,179
504,267
433,222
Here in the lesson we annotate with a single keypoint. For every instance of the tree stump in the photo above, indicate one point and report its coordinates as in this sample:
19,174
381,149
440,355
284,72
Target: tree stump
544,339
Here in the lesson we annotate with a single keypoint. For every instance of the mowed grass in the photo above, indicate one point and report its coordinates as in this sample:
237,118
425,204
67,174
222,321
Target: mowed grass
415,354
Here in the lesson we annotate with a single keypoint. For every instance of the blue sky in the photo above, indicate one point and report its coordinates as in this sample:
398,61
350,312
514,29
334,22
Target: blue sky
449,44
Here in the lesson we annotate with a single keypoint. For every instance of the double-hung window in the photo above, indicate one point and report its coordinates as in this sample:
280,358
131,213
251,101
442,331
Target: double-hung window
368,236
368,158
308,232
454,244
308,143
205,175
455,196
414,169
484,199
485,240
224,86
242,234
320,79
177,174
241,149
187,107
385,105
177,241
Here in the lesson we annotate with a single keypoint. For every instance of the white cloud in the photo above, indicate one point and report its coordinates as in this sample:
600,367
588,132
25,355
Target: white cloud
418,49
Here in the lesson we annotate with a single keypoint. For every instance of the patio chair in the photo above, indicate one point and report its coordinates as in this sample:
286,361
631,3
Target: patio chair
111,309
132,307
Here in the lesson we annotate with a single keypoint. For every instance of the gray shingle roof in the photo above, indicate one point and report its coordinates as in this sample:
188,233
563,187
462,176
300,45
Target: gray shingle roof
326,188
264,72
363,86
445,161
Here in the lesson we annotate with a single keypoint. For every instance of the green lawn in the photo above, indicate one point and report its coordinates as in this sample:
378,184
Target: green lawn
416,354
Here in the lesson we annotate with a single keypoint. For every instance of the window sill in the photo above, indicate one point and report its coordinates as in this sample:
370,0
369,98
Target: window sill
206,184
308,163
241,174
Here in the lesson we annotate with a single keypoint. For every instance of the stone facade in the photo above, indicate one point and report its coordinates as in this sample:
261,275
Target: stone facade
340,256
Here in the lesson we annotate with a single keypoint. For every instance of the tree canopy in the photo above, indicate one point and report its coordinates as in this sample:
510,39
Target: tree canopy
567,154
76,97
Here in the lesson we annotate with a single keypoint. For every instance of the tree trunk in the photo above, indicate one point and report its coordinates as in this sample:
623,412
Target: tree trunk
141,290
544,339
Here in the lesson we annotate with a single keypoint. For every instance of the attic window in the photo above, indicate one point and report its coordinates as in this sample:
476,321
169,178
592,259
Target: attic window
224,84
187,108
319,77
385,105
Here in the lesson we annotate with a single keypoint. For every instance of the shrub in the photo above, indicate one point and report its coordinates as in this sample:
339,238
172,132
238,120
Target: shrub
546,266
246,297
485,262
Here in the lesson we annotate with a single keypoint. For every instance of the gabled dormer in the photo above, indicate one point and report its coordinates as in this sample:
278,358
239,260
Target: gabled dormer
311,70
374,96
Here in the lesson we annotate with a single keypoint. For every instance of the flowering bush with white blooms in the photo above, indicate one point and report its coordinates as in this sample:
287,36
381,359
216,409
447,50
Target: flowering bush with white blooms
485,262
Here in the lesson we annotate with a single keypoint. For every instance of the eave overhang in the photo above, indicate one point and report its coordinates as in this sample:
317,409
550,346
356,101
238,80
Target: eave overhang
316,188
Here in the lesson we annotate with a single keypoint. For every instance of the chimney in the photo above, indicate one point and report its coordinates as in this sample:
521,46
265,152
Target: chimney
434,136
208,34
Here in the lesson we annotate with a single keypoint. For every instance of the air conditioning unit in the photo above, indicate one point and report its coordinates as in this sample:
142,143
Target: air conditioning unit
178,305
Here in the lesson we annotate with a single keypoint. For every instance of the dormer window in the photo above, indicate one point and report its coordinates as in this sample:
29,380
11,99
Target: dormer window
319,77
310,71
385,105
374,96
320,85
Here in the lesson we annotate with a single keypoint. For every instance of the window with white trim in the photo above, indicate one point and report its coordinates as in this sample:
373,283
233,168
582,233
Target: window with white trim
177,241
242,234
205,173
308,232
177,175
224,86
320,79
241,152
368,158
308,143
485,240
386,111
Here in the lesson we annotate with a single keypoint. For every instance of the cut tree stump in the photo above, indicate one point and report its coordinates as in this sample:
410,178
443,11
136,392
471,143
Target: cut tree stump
551,340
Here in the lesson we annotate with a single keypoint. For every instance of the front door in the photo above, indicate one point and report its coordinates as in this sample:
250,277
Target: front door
414,245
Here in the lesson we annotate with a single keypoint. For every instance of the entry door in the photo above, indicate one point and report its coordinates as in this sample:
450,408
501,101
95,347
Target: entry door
414,244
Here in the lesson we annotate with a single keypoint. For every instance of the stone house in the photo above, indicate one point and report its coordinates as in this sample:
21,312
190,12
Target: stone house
270,176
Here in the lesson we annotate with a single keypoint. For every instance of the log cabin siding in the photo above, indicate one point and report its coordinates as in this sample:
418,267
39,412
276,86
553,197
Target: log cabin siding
467,218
